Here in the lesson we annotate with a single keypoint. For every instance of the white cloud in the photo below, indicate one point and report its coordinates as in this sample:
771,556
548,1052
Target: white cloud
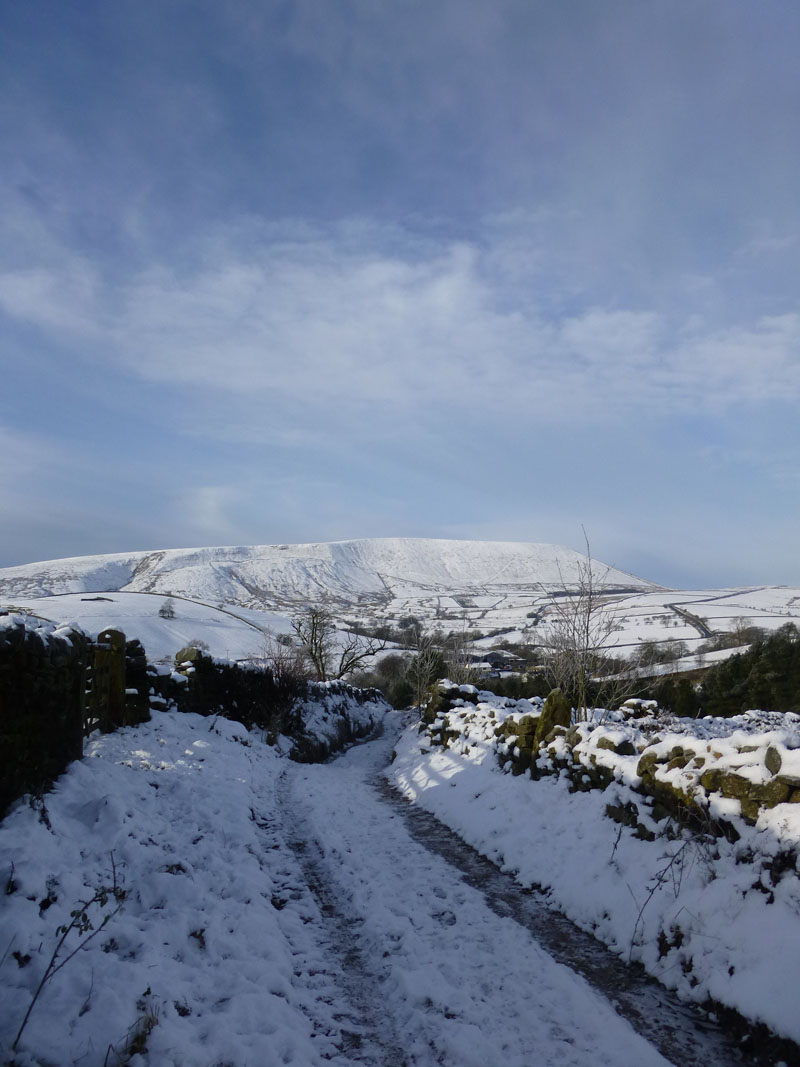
740,365
355,319
55,300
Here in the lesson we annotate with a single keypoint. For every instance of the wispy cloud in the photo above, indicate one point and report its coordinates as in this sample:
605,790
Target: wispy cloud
331,269
322,323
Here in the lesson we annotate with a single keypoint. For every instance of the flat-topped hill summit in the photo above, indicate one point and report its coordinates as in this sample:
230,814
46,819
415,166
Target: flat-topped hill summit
372,571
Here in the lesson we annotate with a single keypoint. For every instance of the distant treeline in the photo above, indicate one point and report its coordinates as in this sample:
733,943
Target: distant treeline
767,677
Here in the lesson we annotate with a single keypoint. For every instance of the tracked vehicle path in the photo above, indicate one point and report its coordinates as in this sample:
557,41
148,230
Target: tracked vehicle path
366,1032
683,1033
445,960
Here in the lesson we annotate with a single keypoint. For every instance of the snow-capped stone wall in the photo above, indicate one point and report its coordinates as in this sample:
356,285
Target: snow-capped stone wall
41,703
675,841
309,720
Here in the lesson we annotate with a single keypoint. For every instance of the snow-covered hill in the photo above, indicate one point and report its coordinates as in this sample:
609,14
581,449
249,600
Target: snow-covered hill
499,588
348,573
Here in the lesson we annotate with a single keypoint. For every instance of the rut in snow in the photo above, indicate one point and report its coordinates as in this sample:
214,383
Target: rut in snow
683,1033
365,1027
430,941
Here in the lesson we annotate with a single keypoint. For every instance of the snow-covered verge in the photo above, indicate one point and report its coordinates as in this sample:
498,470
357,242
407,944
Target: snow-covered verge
624,824
159,851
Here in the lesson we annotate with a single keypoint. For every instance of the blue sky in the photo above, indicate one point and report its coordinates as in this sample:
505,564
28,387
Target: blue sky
277,272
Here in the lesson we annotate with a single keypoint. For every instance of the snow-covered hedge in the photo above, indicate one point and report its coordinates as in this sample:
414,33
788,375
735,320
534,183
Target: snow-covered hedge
307,719
332,715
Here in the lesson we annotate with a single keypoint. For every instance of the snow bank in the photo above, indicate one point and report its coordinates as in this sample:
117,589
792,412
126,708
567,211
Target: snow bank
711,908
209,951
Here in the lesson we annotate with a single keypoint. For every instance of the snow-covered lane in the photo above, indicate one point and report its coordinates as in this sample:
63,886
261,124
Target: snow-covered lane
461,985
273,913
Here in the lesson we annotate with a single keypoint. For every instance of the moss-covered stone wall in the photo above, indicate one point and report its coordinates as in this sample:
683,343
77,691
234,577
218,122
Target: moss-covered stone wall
682,780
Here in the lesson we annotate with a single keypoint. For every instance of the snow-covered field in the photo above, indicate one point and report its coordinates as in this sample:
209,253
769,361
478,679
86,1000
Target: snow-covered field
230,633
659,616
708,916
213,950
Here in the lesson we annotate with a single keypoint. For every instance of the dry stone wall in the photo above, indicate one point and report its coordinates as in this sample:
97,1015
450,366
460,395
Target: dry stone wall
56,686
41,705
315,718
705,773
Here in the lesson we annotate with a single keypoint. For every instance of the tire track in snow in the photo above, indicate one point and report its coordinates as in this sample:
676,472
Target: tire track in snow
681,1032
464,987
367,1036
390,932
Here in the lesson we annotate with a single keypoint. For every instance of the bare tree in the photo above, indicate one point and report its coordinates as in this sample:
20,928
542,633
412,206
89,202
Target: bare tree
424,665
286,674
332,653
167,609
458,657
315,633
580,636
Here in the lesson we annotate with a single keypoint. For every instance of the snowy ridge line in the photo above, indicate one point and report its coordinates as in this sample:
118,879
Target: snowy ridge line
345,570
445,584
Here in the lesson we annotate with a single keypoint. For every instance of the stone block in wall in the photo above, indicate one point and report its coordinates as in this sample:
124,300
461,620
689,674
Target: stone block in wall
137,684
105,697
